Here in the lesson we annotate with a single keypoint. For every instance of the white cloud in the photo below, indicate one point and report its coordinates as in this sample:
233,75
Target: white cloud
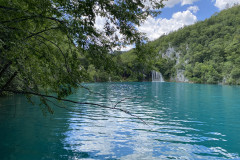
221,4
154,28
172,3
194,9
100,22
127,48
185,2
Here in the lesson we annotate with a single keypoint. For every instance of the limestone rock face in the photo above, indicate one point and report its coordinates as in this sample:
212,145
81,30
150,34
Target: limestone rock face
180,77
172,54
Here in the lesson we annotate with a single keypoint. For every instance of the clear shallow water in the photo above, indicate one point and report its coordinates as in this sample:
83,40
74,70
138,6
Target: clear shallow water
185,121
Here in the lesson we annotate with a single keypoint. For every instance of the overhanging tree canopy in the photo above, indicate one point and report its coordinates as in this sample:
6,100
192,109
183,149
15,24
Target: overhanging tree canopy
41,41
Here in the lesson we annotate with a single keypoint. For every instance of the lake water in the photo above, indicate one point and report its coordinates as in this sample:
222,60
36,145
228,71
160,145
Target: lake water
184,121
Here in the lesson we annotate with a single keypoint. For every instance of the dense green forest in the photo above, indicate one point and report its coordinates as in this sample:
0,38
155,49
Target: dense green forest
206,52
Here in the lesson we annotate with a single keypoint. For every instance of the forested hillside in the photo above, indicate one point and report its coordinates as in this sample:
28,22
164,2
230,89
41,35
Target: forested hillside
206,52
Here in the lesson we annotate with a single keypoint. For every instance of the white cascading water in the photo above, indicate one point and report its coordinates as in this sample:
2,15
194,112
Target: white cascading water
157,77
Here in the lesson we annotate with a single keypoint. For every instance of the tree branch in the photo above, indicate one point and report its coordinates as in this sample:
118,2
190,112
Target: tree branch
24,18
96,93
35,16
8,8
8,82
64,107
75,102
5,68
16,20
122,101
37,33
65,59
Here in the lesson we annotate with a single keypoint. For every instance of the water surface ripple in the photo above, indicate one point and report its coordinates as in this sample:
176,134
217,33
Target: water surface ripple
184,121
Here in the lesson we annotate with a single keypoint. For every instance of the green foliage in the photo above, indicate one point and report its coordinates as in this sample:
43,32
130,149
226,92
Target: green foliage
137,64
209,50
51,46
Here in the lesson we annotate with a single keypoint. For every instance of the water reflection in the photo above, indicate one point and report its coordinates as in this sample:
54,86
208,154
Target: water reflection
185,121
172,130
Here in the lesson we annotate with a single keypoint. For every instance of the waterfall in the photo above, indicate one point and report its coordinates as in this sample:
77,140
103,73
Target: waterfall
157,77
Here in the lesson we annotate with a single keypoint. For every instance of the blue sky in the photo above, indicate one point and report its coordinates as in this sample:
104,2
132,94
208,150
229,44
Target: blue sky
177,14
180,13
206,9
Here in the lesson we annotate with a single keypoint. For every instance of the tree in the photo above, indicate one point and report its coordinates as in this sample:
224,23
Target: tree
144,62
42,41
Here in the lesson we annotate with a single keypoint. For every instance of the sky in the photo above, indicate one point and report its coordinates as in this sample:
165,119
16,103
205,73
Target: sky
179,13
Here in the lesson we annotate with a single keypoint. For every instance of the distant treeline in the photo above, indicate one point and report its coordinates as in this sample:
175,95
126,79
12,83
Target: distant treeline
207,52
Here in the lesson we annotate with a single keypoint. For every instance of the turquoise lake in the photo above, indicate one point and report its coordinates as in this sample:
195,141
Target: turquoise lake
184,121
